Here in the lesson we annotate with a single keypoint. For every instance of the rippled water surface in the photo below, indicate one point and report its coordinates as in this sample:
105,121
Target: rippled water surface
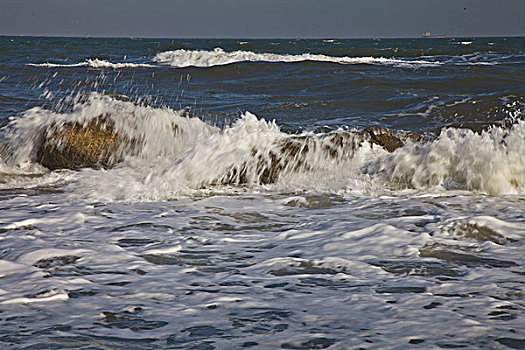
188,243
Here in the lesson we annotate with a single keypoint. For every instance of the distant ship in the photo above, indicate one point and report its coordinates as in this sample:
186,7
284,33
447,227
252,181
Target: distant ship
433,36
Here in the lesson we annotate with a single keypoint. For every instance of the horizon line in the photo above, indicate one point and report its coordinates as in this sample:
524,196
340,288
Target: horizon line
254,38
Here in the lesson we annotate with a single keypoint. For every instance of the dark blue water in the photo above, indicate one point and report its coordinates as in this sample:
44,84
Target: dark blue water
347,247
421,85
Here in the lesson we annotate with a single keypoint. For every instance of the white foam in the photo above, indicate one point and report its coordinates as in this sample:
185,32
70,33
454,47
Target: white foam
491,162
176,155
58,65
182,58
56,297
206,58
8,268
168,250
478,63
93,63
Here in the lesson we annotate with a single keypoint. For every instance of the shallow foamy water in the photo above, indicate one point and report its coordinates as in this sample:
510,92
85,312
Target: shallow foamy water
290,270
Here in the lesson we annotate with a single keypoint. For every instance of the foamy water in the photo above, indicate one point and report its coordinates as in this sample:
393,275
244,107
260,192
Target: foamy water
93,63
177,154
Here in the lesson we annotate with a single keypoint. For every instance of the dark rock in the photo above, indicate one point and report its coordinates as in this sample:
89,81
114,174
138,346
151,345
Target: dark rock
290,154
75,146
96,144
388,139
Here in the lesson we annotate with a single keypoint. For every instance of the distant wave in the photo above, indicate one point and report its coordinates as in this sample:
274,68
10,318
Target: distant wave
53,65
209,58
217,57
93,63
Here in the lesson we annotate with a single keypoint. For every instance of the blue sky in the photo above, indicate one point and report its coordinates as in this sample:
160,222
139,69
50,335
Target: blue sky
262,19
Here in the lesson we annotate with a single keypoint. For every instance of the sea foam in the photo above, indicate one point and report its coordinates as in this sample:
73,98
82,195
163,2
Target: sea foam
93,63
217,57
182,58
492,161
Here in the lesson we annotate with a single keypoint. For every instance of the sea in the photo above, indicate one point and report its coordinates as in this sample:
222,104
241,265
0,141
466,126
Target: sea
419,248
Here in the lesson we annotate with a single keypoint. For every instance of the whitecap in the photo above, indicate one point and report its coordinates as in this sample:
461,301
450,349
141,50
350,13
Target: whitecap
93,63
492,162
205,58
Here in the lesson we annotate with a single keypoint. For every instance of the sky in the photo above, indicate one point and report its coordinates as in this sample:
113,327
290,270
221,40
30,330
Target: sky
262,18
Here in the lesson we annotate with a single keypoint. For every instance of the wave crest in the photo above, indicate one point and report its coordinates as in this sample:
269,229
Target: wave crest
93,63
205,58
175,155
492,162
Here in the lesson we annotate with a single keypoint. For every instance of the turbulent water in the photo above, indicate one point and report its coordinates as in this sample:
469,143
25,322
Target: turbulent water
185,245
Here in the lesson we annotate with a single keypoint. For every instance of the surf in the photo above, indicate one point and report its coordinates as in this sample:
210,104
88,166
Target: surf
161,149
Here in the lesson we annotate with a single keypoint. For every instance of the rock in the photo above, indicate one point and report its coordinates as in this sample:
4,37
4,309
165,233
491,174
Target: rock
291,154
75,146
388,139
98,145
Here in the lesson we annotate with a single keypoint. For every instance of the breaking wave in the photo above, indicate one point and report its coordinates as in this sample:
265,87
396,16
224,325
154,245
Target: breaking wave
93,63
175,154
217,57
491,162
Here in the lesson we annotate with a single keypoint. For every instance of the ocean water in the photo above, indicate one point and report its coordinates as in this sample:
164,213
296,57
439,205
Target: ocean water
185,245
